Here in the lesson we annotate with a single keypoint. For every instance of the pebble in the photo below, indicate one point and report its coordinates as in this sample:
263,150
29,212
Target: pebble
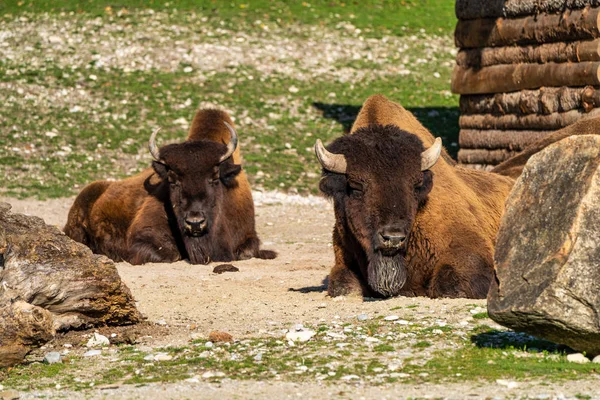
163,357
350,377
402,322
53,358
300,336
218,336
98,340
193,379
258,357
578,358
362,317
391,318
161,322
596,360
399,375
92,353
9,395
507,383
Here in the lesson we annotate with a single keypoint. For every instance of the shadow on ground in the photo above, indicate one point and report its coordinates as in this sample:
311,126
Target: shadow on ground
441,121
516,340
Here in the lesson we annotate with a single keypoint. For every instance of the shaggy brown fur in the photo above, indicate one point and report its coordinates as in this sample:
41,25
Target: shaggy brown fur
145,218
451,214
513,167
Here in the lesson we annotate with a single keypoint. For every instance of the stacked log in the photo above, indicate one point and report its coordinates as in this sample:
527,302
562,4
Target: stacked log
524,69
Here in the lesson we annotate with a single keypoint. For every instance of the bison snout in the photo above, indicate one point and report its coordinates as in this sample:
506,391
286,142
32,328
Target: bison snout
392,238
196,226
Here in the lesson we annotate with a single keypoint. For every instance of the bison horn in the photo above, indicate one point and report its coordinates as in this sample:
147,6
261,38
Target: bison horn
152,145
430,156
232,145
330,161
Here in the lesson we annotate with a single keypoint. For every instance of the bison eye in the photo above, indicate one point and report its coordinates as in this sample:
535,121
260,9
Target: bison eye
355,188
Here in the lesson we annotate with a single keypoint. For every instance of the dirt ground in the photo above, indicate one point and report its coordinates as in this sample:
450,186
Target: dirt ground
264,298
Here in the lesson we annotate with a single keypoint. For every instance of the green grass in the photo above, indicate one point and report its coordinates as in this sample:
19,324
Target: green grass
375,17
107,137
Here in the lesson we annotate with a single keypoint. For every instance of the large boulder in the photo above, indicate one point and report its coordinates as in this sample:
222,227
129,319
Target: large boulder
49,282
548,248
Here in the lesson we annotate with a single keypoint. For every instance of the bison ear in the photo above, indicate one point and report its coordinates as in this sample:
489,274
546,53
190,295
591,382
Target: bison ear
426,187
332,184
228,172
161,169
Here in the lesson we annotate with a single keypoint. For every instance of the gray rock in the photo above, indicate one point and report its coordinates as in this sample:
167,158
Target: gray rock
578,358
92,353
53,357
596,360
362,317
548,248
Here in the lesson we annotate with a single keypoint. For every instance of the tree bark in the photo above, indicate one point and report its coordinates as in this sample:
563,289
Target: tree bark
496,139
546,100
511,78
485,157
474,9
550,52
546,28
549,122
50,282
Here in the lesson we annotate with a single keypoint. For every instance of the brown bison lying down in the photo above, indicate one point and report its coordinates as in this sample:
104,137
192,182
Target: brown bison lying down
194,203
409,221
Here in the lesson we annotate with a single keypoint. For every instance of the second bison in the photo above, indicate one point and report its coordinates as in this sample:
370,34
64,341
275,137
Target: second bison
194,203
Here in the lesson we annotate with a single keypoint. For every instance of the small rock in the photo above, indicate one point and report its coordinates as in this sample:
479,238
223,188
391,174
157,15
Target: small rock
193,379
149,357
9,395
98,341
507,383
208,345
596,360
161,322
402,322
163,357
578,358
92,353
67,345
219,269
52,358
301,336
391,318
258,357
350,377
372,339
362,317
217,336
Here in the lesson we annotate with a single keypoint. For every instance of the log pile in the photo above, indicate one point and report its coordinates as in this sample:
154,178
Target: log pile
524,69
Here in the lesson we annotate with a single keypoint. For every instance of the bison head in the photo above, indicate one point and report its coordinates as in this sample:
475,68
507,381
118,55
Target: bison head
378,178
196,174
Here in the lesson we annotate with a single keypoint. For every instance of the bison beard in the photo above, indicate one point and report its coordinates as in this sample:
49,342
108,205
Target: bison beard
387,274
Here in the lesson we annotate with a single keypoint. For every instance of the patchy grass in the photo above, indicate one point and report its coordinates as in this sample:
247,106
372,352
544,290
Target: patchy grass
400,353
80,100
375,17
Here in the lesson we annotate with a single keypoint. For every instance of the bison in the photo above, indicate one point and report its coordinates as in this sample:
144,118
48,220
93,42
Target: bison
194,203
408,220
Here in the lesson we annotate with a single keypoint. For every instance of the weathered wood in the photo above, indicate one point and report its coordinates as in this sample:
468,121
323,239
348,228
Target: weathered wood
549,122
514,166
546,100
486,157
50,282
545,28
511,78
479,167
474,9
496,139
550,52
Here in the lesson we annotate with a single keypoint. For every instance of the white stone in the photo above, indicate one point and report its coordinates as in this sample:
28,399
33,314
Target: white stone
98,340
301,336
92,353
578,358
391,318
596,360
507,383
163,357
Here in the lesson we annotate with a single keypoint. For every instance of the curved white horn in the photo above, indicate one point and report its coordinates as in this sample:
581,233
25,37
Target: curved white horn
233,142
430,156
152,145
330,161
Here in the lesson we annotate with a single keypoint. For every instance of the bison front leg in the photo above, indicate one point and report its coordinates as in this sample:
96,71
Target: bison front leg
344,280
149,238
468,278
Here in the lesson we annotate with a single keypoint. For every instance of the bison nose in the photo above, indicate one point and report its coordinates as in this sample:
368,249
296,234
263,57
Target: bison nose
392,238
195,225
